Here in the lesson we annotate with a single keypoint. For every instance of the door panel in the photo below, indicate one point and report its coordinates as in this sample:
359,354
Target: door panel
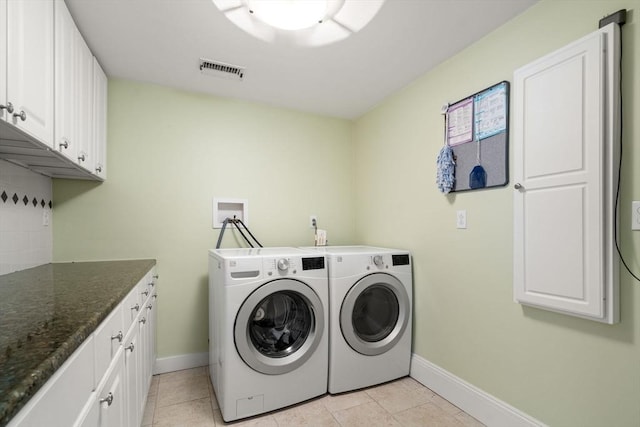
564,169
549,270
374,314
554,99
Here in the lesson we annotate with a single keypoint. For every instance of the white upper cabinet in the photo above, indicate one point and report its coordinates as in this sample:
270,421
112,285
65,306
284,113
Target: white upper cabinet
50,119
3,56
99,120
566,144
30,69
66,134
84,110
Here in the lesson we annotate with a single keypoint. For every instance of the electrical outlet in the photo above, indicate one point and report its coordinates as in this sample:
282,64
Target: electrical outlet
313,221
461,219
45,217
635,215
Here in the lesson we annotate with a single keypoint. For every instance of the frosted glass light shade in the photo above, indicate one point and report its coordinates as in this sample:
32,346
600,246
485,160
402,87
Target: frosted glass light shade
289,14
321,22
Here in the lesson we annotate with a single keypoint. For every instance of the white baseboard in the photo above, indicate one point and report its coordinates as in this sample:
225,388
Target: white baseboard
178,363
479,404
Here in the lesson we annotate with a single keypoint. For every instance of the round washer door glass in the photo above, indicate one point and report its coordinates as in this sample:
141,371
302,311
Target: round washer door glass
374,314
279,326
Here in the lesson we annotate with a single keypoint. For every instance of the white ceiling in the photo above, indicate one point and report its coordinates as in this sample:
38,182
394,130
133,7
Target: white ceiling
161,41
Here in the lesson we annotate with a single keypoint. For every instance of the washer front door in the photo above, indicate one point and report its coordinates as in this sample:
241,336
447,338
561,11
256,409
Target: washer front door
374,314
279,326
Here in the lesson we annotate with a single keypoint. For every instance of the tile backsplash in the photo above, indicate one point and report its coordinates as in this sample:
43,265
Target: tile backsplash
25,206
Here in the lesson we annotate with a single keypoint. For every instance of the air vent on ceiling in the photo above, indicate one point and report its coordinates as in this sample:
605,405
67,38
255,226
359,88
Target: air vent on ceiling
220,69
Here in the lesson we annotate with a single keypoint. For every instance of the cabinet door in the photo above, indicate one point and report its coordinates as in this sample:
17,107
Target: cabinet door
112,395
84,81
59,402
566,164
30,66
90,415
143,378
132,352
100,119
108,337
152,317
65,85
151,337
3,57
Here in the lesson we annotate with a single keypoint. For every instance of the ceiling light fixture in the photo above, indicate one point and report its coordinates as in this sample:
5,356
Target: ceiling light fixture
300,22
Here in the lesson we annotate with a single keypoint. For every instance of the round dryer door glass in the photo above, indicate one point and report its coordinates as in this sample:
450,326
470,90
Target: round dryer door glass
375,313
279,326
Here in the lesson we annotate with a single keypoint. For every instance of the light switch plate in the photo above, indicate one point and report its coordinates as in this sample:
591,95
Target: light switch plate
635,215
461,219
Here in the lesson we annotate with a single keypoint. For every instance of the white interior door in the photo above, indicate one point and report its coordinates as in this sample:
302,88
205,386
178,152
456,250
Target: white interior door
565,146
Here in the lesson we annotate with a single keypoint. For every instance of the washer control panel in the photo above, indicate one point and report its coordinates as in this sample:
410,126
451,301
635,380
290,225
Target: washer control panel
286,265
281,266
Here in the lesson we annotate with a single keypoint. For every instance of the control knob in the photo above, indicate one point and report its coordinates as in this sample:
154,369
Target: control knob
377,260
283,264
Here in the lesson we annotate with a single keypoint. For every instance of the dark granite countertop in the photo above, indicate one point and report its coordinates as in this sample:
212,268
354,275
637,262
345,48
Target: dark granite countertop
47,312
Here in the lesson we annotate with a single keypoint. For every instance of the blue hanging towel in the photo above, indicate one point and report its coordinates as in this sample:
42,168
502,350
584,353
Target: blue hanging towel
446,170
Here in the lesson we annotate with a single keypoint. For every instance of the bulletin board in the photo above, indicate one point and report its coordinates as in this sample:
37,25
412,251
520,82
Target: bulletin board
477,130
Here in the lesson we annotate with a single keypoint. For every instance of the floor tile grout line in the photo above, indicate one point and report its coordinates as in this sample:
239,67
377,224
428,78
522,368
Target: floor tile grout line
372,399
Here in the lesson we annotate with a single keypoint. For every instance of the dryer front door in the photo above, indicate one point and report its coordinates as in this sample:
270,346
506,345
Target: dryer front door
374,314
279,326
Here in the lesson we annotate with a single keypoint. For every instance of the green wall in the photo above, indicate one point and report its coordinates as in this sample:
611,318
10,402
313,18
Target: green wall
561,370
170,153
369,181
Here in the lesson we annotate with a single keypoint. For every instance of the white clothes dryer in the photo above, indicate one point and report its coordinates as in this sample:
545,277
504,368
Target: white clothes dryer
370,310
268,339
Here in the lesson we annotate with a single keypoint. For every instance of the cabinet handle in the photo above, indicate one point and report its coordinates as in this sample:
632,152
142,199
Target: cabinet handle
8,107
21,115
108,399
518,186
98,168
118,337
145,293
155,295
155,276
130,347
64,144
136,307
81,158
149,307
143,320
152,284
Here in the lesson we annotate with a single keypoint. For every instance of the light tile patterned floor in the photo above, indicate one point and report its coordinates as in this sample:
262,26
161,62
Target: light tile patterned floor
186,399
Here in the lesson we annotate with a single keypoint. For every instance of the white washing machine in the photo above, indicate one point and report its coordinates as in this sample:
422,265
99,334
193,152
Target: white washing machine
371,294
268,334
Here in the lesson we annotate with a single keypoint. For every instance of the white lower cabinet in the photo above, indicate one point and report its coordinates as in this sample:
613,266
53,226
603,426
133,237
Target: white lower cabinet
107,405
105,382
59,401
